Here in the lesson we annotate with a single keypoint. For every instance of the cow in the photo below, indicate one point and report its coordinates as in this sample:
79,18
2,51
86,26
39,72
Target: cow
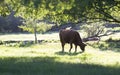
72,37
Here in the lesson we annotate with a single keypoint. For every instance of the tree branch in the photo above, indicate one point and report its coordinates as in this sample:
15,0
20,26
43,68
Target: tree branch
105,14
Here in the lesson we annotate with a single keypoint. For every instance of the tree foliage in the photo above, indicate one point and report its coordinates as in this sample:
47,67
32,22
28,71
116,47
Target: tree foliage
30,25
64,11
85,10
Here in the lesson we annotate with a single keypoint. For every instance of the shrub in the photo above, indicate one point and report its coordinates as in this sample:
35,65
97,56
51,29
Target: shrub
93,29
103,46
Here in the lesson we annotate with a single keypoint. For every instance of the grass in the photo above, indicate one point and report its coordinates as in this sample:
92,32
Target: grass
46,59
22,37
48,66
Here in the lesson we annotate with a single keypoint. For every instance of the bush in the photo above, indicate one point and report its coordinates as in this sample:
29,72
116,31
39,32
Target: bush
113,43
103,46
93,29
110,44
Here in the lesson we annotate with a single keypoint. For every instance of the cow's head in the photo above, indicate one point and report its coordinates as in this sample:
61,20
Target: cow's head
82,46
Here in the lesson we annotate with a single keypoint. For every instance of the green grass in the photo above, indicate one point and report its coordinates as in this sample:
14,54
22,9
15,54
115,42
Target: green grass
46,59
48,66
23,37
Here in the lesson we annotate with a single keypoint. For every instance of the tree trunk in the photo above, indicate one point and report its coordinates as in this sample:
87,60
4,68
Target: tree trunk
35,33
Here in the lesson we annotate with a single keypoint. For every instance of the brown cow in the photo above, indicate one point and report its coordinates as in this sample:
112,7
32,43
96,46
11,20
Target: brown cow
72,37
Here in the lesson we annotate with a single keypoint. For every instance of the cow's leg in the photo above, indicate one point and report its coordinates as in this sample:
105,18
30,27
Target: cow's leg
70,47
63,44
75,48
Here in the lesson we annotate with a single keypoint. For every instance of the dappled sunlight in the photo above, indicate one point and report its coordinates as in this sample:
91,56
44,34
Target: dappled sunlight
91,55
46,58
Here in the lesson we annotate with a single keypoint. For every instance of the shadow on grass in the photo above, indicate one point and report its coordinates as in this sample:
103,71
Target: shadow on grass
49,66
67,53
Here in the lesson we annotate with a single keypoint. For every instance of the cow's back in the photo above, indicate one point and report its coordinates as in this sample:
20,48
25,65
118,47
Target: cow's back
69,35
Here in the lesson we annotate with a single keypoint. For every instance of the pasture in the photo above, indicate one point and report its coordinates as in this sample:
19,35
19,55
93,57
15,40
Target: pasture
46,58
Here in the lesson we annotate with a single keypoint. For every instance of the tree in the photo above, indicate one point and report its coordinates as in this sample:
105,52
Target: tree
9,22
64,11
35,26
34,13
91,10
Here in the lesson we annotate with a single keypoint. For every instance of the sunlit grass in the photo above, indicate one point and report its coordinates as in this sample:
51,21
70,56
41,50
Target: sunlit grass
91,55
46,59
20,36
